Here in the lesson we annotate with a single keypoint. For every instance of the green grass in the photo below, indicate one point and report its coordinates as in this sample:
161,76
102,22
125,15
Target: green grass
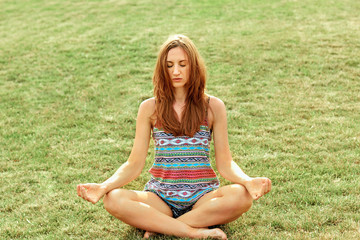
73,73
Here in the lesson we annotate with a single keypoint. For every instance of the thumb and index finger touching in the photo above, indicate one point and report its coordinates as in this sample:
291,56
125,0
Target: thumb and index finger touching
89,192
264,189
82,190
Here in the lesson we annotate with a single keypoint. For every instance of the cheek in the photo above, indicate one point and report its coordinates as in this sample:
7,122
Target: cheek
168,71
187,72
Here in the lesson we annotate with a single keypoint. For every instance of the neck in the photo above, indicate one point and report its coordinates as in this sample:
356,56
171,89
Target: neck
180,96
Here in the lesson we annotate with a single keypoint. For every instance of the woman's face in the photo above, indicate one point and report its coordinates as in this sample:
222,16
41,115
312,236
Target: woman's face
178,67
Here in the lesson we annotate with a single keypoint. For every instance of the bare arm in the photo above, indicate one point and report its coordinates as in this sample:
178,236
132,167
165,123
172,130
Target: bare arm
224,162
132,168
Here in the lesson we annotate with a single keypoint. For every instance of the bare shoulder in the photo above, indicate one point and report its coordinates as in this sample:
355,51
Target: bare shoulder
217,110
147,106
146,110
216,103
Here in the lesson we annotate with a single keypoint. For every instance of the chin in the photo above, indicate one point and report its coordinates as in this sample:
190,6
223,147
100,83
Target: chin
178,85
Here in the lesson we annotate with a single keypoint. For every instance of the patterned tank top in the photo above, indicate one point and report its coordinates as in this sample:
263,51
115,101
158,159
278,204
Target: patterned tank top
182,173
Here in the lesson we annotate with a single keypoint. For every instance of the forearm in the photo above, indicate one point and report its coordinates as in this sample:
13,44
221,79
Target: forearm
232,172
125,174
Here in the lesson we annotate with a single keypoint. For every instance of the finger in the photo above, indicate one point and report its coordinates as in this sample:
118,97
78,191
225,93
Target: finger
83,193
79,190
266,187
256,196
263,188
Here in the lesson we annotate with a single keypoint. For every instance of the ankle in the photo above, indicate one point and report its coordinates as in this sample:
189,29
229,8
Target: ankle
195,233
200,233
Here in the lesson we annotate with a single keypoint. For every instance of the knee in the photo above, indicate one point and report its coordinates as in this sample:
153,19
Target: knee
113,200
239,199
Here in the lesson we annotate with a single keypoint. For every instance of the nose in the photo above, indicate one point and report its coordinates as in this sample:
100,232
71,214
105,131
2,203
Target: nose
176,70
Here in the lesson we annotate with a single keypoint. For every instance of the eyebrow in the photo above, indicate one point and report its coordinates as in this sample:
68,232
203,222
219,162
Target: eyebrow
179,61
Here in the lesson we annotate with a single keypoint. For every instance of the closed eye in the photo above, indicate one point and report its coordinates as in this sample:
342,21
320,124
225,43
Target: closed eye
183,63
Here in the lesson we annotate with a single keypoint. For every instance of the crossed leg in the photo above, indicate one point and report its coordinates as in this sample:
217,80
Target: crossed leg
220,206
145,210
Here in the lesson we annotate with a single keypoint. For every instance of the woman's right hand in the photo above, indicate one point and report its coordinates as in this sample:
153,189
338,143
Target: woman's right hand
91,192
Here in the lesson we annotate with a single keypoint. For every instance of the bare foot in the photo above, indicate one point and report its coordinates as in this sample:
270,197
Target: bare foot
148,234
215,233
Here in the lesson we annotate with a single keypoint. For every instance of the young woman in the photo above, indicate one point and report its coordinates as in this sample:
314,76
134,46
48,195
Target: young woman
183,196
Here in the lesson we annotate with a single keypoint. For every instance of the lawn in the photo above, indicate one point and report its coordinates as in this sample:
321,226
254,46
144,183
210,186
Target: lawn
73,73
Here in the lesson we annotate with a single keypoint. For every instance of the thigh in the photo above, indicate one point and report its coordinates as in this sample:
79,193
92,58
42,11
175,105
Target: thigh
229,190
154,201
148,198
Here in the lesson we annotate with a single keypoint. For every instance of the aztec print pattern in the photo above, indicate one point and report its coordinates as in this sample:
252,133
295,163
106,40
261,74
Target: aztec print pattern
181,173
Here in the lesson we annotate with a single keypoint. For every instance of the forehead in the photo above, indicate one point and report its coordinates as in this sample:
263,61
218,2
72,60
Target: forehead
176,54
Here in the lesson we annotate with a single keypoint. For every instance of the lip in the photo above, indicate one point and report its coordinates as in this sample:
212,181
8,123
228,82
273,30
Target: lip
177,79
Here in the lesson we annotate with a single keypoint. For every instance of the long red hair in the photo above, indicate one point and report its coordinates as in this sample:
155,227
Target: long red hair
194,112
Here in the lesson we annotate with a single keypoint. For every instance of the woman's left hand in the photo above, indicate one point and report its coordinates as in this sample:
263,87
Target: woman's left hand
257,187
